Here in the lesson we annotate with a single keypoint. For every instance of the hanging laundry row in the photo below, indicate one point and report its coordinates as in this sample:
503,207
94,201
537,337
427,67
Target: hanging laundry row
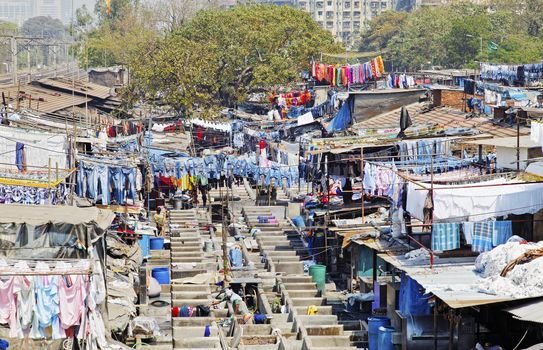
378,179
346,75
327,107
410,150
65,304
295,98
536,132
400,81
220,166
523,75
482,236
32,195
124,128
225,127
107,183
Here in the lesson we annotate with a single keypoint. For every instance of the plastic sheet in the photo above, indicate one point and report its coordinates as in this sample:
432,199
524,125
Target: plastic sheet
144,325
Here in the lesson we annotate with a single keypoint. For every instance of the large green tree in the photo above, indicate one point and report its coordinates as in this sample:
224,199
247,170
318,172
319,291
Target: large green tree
43,26
6,28
459,35
219,56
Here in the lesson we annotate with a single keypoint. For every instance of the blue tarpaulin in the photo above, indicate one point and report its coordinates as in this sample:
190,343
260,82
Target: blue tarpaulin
236,257
413,301
343,118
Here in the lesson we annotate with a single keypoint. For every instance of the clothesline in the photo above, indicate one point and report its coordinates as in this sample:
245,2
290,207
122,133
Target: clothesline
488,185
27,267
461,222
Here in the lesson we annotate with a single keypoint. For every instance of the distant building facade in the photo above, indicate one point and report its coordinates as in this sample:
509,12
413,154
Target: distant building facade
49,8
345,18
18,11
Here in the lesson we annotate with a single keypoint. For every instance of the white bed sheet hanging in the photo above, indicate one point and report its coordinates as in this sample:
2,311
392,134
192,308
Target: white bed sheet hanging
471,203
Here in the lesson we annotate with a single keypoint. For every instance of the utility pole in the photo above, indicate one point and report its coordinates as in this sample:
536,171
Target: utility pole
28,63
55,59
14,62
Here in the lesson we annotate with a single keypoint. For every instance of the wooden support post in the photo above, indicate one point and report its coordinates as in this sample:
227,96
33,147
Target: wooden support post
374,262
518,142
224,238
451,329
362,170
435,325
299,156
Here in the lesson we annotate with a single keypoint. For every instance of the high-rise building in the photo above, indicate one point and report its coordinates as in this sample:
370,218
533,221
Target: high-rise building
49,8
69,8
345,18
17,11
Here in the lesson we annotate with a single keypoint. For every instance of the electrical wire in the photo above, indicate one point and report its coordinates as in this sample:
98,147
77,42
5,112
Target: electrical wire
520,342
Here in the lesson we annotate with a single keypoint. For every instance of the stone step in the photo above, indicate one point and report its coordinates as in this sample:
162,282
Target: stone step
329,342
293,344
307,301
318,330
190,302
186,254
298,286
190,295
198,342
318,320
309,293
193,332
192,321
296,279
190,288
321,310
280,259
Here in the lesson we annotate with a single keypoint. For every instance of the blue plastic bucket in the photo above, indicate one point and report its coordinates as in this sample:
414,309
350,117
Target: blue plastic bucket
144,245
161,274
384,340
373,329
157,243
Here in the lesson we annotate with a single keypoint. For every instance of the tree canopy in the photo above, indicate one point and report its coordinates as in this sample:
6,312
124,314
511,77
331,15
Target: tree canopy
213,59
6,28
459,34
43,26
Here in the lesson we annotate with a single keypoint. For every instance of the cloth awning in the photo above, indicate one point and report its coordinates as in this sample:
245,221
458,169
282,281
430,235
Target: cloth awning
531,311
50,232
43,214
477,201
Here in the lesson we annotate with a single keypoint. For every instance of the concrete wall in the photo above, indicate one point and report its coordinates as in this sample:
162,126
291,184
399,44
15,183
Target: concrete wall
506,157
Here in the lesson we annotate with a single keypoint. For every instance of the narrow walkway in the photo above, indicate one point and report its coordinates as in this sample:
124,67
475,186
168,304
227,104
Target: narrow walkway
282,250
189,234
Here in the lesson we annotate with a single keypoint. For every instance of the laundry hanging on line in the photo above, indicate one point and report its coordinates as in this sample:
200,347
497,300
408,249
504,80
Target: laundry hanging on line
400,81
345,75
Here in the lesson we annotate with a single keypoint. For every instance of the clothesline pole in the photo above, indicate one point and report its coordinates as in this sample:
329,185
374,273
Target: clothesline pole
518,142
49,174
327,209
223,234
299,156
362,170
432,209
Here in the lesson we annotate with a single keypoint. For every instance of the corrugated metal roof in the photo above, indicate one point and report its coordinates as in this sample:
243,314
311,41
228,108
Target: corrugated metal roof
508,142
81,87
444,117
529,312
453,280
40,99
